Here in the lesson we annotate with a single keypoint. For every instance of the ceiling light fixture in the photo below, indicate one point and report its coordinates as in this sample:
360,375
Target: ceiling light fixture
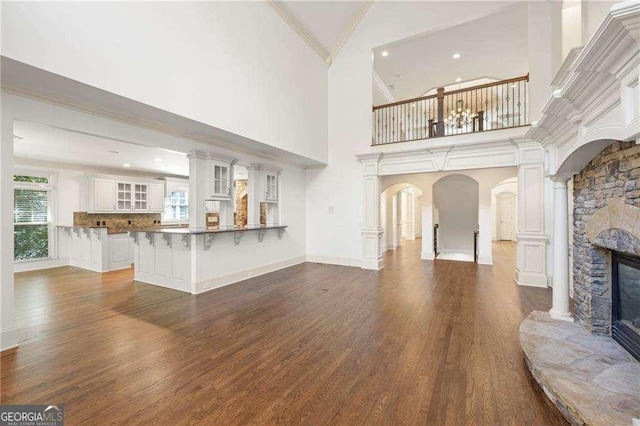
385,53
458,80
126,165
157,159
456,55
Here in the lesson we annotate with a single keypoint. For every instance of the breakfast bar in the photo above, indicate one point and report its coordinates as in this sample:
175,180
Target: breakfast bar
199,260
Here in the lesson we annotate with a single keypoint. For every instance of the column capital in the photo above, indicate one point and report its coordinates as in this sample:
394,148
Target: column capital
560,179
371,157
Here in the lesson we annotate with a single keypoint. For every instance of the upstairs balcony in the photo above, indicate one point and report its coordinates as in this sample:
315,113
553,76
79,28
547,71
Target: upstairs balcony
492,106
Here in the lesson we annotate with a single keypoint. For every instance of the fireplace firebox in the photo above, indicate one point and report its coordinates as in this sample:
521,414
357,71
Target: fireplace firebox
626,302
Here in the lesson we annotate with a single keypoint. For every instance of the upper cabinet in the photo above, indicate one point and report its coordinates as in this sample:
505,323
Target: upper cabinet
104,195
271,186
121,195
219,176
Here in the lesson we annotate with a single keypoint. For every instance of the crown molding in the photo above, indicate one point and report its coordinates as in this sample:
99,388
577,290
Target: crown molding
383,87
306,35
301,30
342,40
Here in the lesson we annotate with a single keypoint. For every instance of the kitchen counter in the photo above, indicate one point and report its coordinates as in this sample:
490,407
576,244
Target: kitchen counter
187,231
111,230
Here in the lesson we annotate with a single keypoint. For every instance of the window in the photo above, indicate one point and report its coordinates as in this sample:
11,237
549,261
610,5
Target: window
31,217
176,206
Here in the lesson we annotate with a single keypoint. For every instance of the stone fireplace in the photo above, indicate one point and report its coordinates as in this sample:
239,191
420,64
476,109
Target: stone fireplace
607,243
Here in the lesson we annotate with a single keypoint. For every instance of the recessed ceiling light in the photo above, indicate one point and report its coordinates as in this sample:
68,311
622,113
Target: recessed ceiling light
113,152
385,53
126,165
157,159
458,80
456,55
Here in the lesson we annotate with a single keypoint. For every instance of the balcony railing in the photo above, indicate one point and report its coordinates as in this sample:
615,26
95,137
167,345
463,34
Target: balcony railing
492,106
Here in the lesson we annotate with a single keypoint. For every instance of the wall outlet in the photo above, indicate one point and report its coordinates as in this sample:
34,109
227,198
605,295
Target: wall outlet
206,286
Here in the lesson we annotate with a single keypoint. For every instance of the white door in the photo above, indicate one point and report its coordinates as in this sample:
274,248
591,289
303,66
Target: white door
104,195
505,217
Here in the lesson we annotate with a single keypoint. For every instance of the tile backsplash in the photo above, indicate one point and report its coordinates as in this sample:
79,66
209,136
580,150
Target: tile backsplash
117,220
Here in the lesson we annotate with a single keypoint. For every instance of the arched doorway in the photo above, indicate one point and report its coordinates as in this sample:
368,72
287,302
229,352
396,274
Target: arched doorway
456,205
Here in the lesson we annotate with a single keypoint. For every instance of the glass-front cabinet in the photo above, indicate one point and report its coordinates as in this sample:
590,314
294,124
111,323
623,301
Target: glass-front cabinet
124,195
271,186
141,196
220,180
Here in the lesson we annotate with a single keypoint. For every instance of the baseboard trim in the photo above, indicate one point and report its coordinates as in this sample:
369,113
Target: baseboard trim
38,265
8,340
372,264
339,261
218,282
427,256
485,260
531,280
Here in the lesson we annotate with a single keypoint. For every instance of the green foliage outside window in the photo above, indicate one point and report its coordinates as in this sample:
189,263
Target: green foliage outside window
30,179
30,242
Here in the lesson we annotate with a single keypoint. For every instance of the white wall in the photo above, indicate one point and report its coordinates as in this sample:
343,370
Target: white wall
595,13
350,95
232,65
457,200
571,28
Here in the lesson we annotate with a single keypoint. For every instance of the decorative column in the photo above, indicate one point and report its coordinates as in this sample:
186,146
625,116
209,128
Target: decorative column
398,223
372,231
8,339
560,308
531,237
411,207
197,190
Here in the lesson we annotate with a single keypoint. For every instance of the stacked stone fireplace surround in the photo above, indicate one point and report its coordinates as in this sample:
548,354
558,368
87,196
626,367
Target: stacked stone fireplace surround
606,217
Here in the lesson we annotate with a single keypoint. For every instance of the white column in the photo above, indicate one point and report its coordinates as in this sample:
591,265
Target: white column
411,207
197,190
398,224
394,221
8,337
532,239
560,308
427,225
255,184
371,230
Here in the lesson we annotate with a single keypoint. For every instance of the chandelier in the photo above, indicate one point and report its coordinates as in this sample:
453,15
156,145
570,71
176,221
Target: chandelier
460,117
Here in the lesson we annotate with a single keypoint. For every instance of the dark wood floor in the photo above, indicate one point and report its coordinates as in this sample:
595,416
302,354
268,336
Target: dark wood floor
418,343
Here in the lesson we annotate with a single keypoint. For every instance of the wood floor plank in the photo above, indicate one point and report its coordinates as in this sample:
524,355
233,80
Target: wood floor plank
419,342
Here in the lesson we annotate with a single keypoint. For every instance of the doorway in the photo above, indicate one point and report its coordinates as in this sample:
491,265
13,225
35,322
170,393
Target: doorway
506,216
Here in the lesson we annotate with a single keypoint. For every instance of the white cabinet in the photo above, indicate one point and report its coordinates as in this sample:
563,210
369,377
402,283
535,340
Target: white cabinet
220,187
104,192
120,249
124,197
156,197
271,187
114,194
141,200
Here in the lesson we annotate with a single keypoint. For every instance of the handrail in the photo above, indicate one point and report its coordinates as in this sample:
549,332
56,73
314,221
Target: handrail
475,246
454,92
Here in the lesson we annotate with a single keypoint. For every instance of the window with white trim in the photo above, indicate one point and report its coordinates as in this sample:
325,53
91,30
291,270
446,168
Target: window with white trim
176,207
32,217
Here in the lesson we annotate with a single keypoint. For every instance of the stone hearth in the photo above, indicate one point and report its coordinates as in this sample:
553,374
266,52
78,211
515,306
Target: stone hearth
590,378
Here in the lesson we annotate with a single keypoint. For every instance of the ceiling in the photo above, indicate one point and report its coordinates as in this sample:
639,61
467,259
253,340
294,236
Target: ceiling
325,25
493,47
42,142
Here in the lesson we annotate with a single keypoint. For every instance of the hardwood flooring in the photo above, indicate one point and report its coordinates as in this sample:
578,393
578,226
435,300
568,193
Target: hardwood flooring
429,343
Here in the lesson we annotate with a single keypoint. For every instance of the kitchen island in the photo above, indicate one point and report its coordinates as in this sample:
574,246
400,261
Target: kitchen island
199,260
98,248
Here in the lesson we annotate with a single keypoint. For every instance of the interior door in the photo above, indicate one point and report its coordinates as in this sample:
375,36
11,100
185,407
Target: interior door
505,225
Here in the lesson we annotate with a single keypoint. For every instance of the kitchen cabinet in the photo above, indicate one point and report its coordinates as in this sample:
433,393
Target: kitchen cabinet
119,194
271,187
104,192
156,197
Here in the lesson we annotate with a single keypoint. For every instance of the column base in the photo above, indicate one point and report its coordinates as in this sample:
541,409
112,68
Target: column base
372,264
566,316
427,255
8,339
